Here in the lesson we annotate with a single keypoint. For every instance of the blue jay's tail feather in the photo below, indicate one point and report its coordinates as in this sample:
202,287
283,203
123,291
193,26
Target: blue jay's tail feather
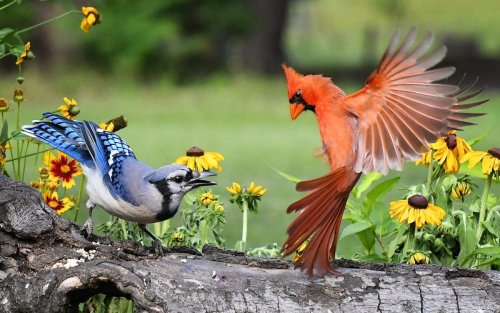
61,134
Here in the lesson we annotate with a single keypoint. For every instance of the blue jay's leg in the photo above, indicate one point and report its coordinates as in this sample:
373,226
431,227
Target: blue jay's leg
157,245
89,224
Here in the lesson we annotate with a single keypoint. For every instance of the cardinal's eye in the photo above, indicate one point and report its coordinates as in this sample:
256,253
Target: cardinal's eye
297,95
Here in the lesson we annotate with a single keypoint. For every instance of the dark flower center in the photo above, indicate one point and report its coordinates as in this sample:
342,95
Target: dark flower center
495,152
418,201
451,142
195,152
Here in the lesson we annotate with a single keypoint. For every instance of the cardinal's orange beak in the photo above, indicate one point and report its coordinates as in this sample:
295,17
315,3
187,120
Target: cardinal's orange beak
296,109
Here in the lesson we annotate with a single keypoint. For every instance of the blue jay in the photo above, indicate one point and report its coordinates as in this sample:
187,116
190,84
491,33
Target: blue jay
118,182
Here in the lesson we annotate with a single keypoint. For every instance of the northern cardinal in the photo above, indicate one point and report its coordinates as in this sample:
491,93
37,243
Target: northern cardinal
389,121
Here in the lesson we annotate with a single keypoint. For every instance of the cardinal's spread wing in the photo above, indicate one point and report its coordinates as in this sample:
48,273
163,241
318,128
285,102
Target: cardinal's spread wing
400,110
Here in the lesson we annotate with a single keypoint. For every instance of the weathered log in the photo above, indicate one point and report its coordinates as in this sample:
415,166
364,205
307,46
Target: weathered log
47,266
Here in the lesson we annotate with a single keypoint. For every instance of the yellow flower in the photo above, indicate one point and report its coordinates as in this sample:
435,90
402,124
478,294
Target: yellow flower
447,151
26,55
62,168
207,198
18,95
52,185
199,160
256,191
460,190
177,238
425,159
69,109
417,210
490,161
91,17
234,189
300,251
418,258
4,105
3,155
37,184
107,126
60,206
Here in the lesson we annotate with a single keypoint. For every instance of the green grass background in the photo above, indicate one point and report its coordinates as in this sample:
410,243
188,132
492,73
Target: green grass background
244,118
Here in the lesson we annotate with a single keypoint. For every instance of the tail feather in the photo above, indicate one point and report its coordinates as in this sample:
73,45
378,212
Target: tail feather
319,220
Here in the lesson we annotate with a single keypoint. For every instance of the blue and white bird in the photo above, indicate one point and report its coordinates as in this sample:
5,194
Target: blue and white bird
122,185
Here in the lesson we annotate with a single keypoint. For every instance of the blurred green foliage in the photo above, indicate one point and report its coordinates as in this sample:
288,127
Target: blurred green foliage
185,38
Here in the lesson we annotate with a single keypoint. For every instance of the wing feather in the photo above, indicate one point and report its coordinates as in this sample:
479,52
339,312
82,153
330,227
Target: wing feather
401,109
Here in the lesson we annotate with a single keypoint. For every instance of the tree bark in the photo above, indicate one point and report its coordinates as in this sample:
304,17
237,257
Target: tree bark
47,266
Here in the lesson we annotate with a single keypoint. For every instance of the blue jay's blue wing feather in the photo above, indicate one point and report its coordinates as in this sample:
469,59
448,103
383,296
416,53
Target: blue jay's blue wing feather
108,151
61,134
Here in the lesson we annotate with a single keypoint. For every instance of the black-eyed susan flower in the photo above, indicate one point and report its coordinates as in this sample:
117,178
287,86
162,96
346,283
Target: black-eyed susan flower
62,168
234,189
69,109
60,206
461,189
417,210
91,17
115,124
26,54
206,198
4,105
3,154
256,191
490,161
447,151
418,258
199,160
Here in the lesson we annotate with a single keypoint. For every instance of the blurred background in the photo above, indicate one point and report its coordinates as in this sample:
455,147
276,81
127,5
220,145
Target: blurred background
207,73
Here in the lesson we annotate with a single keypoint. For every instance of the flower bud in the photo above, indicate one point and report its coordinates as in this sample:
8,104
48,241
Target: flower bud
18,95
44,172
437,245
219,208
429,237
74,110
4,105
177,237
20,80
30,55
418,258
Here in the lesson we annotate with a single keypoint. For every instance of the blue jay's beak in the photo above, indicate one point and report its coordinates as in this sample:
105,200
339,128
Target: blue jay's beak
199,182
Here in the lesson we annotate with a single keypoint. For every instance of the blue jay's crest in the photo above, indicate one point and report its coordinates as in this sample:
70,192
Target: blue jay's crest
85,142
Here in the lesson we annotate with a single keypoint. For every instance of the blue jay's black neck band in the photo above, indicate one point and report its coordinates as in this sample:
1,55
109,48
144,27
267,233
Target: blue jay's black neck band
165,212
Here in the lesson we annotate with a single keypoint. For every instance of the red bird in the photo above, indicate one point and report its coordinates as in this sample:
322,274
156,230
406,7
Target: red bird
389,121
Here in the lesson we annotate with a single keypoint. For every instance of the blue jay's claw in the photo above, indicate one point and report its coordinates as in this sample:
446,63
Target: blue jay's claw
199,182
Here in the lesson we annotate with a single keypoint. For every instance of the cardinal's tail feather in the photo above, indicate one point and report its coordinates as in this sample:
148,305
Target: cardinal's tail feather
319,221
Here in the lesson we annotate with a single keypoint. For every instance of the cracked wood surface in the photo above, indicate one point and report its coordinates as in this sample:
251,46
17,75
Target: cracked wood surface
47,266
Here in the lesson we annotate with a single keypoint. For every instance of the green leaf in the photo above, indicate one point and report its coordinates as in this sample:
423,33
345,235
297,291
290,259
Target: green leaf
355,228
291,178
393,245
491,251
366,183
5,33
367,238
4,134
491,229
377,192
479,138
466,237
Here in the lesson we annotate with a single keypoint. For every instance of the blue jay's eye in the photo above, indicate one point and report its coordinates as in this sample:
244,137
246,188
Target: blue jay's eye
178,179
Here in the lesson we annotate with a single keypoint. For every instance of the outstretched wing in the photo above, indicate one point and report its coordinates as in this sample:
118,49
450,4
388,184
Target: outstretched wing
401,109
62,134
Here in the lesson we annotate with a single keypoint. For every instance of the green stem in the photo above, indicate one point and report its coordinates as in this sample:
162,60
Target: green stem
25,159
18,117
47,21
204,232
429,174
80,194
381,243
482,211
124,229
8,5
410,242
244,227
165,225
11,159
28,155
